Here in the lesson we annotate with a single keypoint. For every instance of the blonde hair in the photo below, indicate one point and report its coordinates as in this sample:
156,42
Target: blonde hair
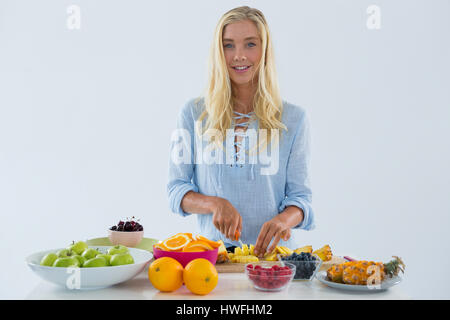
218,96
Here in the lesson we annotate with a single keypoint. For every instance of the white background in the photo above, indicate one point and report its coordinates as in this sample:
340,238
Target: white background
86,116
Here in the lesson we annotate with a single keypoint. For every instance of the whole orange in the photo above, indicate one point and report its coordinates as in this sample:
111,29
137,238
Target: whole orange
200,276
166,274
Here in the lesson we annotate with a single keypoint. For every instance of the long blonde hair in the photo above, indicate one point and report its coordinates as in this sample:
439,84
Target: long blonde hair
218,96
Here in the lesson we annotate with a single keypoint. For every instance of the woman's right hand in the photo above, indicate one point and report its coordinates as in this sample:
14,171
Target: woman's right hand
226,218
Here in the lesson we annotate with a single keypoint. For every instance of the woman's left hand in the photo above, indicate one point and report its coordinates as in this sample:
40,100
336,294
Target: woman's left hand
276,228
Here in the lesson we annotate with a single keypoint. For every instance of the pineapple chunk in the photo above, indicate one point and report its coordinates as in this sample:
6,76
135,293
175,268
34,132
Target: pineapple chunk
238,252
251,250
284,250
271,257
304,249
244,259
245,251
324,253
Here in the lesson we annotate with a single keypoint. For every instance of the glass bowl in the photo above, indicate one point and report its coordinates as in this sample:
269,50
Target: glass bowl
305,270
270,276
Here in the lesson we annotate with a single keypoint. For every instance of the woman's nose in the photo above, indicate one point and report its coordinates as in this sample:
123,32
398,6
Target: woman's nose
239,56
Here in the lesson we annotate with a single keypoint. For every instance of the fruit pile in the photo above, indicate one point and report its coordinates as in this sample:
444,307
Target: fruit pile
269,279
185,242
167,275
246,253
129,226
80,255
305,263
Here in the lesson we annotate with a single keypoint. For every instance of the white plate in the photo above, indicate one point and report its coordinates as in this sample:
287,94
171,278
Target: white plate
90,278
385,284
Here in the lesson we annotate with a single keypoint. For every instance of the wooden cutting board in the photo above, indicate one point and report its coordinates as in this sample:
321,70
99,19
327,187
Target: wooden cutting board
230,267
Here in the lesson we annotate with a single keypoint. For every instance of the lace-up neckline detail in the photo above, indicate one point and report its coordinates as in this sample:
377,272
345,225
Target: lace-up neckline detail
240,133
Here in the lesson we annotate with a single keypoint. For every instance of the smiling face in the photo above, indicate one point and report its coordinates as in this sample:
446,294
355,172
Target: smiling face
243,50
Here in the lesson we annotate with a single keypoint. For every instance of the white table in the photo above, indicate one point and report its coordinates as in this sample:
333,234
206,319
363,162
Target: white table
231,286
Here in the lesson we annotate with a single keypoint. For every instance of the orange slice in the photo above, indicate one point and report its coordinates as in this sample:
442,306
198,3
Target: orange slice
188,234
177,242
161,246
213,244
197,245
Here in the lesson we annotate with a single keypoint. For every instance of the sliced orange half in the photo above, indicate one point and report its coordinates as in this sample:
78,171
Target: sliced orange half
177,242
213,244
197,245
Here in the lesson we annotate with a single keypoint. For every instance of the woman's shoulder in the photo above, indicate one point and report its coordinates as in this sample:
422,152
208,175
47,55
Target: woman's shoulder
193,108
293,115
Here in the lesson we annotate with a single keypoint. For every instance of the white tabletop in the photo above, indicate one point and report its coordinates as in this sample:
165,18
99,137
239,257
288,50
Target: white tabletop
231,286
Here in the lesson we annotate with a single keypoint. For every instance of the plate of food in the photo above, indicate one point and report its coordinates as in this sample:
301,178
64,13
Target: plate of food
361,275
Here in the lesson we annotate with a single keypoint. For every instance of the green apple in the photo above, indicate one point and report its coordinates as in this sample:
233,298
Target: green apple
119,259
80,259
49,259
117,249
107,257
66,262
89,253
95,263
78,247
63,253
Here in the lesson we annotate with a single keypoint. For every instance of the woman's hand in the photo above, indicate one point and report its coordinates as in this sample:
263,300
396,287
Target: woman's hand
226,218
279,227
275,229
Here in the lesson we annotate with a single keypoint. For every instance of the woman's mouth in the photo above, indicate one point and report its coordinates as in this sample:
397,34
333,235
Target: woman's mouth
241,69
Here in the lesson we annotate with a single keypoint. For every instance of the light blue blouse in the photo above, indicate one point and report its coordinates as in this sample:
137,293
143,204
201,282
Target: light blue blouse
258,187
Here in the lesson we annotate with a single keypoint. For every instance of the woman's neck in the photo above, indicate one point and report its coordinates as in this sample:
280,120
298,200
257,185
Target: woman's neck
243,97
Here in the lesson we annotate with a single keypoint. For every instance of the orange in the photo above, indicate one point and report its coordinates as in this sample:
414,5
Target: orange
200,276
213,244
177,242
197,245
166,274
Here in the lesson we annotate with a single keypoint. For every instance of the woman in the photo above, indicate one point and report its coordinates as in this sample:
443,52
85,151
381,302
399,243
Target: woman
261,198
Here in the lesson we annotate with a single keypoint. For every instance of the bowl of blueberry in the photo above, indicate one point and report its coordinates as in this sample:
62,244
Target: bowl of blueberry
306,265
128,233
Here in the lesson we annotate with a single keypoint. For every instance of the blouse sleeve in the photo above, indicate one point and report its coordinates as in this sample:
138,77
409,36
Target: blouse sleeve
297,190
181,162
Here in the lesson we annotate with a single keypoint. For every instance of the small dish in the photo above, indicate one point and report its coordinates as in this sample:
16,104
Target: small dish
270,276
126,238
305,270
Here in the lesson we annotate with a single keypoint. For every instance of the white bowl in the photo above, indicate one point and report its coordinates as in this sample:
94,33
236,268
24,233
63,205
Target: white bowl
90,278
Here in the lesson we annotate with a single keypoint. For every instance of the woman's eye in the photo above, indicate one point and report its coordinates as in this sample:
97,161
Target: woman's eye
228,46
251,44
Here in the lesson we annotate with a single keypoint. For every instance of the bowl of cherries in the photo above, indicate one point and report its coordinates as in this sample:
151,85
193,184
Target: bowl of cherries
267,276
128,233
